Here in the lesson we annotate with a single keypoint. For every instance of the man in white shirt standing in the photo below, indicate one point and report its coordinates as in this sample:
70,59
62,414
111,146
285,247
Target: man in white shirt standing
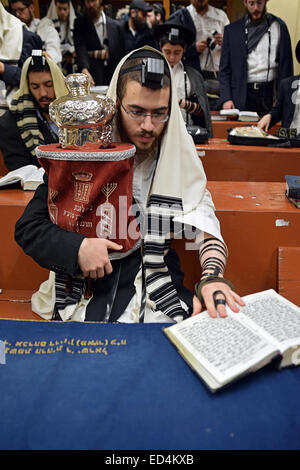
256,57
24,10
209,23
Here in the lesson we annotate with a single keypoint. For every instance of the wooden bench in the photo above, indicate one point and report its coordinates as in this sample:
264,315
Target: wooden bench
226,162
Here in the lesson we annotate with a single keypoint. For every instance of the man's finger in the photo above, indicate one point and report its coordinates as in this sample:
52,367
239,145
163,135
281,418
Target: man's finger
113,246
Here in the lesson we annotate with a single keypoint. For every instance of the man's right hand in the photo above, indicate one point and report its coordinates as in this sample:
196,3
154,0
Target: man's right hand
86,72
93,257
228,105
201,46
264,123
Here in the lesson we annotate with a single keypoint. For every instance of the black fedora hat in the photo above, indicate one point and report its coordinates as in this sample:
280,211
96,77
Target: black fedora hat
175,30
297,52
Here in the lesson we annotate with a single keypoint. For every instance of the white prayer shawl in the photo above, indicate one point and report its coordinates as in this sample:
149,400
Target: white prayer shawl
11,36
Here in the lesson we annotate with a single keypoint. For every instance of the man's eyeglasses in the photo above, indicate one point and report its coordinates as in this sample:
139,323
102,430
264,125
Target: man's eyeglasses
18,10
140,116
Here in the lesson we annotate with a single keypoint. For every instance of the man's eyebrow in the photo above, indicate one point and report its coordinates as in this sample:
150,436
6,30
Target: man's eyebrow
136,106
43,83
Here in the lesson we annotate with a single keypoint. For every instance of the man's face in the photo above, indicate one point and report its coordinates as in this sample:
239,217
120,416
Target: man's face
143,134
23,12
255,9
62,10
173,53
93,9
42,89
139,18
200,5
151,18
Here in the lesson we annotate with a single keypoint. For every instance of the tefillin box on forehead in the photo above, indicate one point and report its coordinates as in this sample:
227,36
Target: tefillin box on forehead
89,175
38,62
152,73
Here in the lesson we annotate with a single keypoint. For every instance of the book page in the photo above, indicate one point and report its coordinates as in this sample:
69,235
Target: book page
275,315
21,173
224,346
229,112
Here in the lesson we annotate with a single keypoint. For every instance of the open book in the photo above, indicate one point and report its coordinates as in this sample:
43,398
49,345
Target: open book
29,176
222,350
240,115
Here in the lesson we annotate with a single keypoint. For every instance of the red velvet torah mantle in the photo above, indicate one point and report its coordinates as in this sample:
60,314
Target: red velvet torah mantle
90,191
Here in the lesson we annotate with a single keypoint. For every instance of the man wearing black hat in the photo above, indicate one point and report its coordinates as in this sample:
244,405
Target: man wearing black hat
287,107
157,15
98,43
136,30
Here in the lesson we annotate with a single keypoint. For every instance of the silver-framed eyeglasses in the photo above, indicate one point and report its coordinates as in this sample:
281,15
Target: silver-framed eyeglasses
140,115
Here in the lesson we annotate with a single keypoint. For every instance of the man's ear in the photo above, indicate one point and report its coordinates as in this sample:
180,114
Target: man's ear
117,102
133,13
31,8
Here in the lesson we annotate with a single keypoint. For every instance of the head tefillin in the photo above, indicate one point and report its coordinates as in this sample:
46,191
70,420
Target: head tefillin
174,34
152,67
38,61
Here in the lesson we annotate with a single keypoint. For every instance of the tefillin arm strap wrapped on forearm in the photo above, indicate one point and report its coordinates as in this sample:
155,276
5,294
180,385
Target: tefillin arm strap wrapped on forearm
213,256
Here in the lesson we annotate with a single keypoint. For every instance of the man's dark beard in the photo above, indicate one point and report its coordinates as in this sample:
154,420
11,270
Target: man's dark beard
260,19
44,111
93,13
201,8
138,24
124,137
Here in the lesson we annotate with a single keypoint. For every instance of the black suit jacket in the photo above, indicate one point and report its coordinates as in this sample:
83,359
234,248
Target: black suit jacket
86,39
284,109
233,64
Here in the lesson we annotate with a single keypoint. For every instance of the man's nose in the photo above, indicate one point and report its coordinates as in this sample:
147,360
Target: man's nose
43,91
147,123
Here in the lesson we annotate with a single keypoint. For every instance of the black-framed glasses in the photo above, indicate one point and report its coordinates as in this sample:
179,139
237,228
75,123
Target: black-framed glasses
139,115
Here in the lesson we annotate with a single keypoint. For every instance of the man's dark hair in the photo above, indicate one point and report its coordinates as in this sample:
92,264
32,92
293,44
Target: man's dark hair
27,3
158,8
63,1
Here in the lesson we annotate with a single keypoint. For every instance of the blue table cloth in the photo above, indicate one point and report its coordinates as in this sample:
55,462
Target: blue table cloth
113,386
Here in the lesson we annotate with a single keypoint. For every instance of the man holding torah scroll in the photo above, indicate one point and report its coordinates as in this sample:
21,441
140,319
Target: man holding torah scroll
169,198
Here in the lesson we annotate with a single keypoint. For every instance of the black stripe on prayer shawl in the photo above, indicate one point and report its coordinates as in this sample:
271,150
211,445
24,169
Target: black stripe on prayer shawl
161,212
166,301
64,297
156,199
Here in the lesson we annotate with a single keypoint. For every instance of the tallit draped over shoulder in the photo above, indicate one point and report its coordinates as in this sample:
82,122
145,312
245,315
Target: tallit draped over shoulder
179,175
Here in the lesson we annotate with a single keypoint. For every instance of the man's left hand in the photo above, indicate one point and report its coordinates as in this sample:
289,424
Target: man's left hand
2,67
232,300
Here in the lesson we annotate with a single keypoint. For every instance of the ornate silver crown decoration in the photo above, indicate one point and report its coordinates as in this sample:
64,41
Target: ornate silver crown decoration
83,118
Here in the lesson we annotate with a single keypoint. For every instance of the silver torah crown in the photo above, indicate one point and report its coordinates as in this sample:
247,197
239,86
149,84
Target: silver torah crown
83,118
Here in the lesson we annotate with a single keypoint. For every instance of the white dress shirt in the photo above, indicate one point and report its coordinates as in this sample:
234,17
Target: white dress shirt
213,20
258,58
